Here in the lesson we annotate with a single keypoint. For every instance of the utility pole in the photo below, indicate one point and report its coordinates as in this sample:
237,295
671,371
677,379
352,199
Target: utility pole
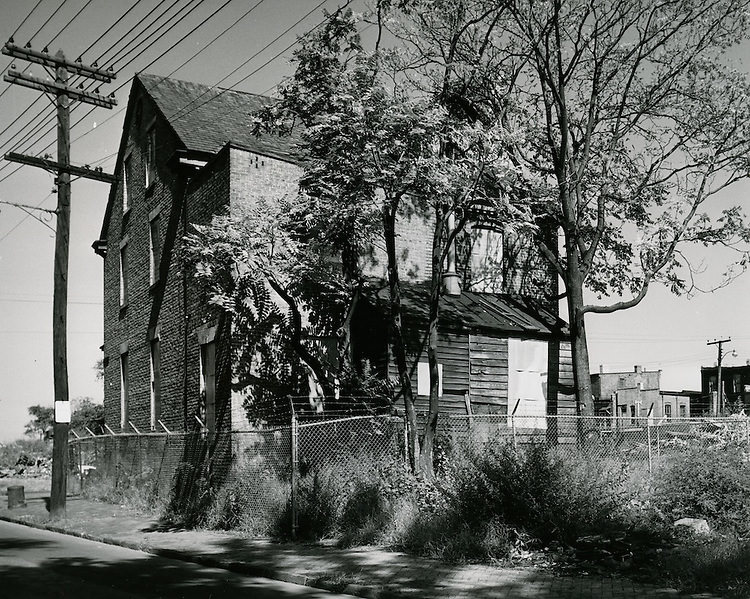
63,95
718,407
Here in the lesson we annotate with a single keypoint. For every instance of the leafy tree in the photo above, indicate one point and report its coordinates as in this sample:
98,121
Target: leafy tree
266,266
633,120
379,147
43,418
637,121
99,369
87,414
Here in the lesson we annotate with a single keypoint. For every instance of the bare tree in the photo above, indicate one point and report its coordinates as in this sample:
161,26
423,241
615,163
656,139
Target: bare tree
637,121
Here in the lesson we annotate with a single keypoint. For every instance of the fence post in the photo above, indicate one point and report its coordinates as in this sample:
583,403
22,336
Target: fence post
513,425
658,444
80,465
747,432
648,436
293,490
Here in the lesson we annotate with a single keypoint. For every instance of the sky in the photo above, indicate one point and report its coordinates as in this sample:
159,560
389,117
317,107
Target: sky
664,332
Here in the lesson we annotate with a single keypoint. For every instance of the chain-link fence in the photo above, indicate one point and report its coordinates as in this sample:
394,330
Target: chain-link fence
628,439
256,479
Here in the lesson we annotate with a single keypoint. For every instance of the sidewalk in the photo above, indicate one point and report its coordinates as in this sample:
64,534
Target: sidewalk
364,572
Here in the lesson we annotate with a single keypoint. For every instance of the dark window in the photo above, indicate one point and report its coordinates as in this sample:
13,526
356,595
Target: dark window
150,157
154,249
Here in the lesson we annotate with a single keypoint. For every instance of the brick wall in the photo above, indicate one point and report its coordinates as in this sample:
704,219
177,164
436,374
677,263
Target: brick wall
254,177
128,327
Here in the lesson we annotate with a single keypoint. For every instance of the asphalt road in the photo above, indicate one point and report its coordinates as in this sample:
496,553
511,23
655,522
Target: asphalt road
39,564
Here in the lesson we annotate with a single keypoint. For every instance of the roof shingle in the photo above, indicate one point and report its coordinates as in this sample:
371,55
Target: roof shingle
207,118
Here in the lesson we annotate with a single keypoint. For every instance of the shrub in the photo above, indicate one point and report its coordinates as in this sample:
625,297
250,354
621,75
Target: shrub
138,491
706,482
321,495
253,501
543,493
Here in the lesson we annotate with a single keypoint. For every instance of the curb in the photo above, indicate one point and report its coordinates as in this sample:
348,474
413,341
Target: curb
245,568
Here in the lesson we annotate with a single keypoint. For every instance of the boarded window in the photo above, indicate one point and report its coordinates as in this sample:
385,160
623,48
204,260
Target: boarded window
527,382
423,379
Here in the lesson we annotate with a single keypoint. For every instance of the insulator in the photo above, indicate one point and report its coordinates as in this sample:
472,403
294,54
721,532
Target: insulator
45,50
28,44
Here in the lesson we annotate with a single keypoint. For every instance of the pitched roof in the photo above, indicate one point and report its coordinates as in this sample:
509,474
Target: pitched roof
487,312
207,118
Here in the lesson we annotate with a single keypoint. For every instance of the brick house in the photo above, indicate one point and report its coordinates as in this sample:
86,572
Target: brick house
188,152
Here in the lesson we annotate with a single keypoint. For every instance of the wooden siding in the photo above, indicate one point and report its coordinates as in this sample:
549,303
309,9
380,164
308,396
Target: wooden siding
489,374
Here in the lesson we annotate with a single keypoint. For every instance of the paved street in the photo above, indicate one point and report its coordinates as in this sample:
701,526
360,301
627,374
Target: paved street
40,564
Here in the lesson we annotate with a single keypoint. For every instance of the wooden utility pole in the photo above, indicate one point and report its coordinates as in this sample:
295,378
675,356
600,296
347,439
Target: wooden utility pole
718,407
64,94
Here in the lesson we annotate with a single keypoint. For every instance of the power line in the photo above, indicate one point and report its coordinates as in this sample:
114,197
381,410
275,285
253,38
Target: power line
160,33
178,115
163,54
51,129
111,27
132,29
36,128
20,222
75,16
57,10
26,18
232,26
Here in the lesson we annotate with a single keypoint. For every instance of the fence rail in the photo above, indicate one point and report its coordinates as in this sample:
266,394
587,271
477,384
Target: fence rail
259,471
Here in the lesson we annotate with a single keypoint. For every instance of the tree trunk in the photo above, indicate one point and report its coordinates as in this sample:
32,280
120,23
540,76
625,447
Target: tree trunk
581,369
428,443
397,340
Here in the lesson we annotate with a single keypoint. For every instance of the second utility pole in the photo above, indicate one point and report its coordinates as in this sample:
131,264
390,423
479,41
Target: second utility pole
719,405
63,93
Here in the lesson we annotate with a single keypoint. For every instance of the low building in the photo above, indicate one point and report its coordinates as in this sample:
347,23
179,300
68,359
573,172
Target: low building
630,395
735,382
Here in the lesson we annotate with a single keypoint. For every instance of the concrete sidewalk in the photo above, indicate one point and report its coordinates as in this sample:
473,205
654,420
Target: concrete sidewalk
365,572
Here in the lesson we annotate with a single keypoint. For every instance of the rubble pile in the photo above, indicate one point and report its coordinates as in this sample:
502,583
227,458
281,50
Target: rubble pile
29,467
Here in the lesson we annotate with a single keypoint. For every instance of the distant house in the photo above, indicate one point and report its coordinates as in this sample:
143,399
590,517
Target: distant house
187,153
629,395
735,382
684,404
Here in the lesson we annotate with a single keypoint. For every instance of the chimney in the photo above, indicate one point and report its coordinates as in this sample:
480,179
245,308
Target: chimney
451,283
601,368
638,368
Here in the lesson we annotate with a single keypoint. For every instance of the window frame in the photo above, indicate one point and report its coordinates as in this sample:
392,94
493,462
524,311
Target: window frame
123,270
155,387
154,246
124,389
127,180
